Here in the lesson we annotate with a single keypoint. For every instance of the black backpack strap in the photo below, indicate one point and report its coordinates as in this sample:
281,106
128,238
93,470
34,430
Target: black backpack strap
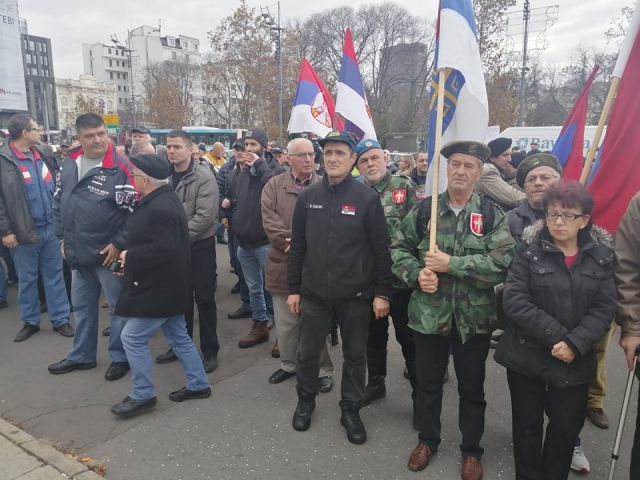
424,216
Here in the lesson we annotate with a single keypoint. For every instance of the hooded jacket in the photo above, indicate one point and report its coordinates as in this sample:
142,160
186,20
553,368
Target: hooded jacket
548,303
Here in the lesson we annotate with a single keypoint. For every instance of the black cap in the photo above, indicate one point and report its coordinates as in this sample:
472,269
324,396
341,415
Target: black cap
517,158
467,147
239,143
339,136
144,130
64,143
202,147
499,145
153,165
276,149
259,134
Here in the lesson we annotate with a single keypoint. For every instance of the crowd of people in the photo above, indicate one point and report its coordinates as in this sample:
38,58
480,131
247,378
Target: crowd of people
327,237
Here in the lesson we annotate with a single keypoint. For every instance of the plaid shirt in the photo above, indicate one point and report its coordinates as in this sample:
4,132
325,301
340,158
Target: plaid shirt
300,184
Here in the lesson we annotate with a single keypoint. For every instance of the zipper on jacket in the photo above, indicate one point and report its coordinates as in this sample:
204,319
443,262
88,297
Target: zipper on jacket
332,211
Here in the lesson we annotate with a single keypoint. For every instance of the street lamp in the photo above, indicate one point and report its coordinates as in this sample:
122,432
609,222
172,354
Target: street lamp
275,26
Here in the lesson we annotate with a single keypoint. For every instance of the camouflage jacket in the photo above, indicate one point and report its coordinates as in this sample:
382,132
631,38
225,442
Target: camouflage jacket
479,261
398,196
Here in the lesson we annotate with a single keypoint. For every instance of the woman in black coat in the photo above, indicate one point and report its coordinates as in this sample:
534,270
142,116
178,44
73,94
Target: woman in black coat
560,300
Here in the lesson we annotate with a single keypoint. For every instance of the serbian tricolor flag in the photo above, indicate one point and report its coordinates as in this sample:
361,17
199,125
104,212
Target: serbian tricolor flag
313,108
466,111
351,102
617,174
569,148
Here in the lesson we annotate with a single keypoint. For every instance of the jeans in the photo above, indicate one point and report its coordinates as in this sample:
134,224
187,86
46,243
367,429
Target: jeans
203,285
5,253
379,327
244,290
253,261
135,338
315,325
3,285
432,358
85,293
566,409
44,258
288,335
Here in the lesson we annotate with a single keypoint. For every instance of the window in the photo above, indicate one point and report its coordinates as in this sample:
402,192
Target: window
36,86
33,71
124,88
195,47
117,52
174,56
25,43
46,72
63,101
109,51
124,75
111,75
111,63
32,45
109,105
45,60
119,88
172,42
28,58
43,47
118,76
120,100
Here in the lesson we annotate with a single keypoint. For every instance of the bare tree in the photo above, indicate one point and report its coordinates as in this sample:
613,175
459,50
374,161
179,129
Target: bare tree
619,25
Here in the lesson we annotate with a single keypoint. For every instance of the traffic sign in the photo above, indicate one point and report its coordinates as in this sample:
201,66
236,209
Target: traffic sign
111,119
113,129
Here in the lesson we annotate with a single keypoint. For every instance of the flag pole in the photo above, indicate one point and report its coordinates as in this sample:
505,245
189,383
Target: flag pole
435,162
613,90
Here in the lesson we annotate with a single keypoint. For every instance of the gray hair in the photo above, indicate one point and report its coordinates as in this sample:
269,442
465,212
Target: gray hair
141,147
295,141
156,182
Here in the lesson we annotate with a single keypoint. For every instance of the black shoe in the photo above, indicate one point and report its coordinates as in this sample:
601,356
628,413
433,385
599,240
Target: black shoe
280,376
116,370
493,344
66,366
66,330
4,304
222,241
334,337
446,375
350,420
302,416
106,332
167,357
11,281
210,364
239,313
28,329
236,288
43,307
325,384
130,407
375,389
184,394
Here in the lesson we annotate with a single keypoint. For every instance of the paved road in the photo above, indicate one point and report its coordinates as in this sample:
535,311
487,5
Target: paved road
244,430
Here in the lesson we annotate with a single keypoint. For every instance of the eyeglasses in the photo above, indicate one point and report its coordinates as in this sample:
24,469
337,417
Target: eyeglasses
566,217
303,155
544,178
32,129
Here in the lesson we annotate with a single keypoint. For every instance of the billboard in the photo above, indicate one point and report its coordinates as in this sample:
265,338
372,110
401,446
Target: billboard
13,95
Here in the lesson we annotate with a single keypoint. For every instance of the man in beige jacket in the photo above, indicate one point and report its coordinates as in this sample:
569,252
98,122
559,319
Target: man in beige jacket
279,198
492,183
627,274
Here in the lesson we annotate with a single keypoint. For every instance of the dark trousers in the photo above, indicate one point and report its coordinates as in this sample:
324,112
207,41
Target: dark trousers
566,409
432,357
379,327
203,286
315,325
635,451
8,259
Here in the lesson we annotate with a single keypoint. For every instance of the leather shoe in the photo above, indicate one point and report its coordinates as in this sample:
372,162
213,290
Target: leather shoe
236,288
471,468
185,394
210,364
350,420
106,332
281,375
130,407
239,313
66,330
168,357
598,417
116,370
28,329
325,384
66,366
420,457
302,416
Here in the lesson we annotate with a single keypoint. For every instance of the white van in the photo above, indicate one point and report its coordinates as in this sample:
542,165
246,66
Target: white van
545,137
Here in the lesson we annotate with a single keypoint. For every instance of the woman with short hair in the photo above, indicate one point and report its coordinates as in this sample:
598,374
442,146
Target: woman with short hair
560,299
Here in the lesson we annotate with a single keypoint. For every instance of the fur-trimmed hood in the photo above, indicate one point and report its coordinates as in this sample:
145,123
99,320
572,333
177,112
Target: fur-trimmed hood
598,234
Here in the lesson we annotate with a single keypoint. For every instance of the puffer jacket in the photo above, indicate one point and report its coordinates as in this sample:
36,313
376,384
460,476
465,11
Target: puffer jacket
92,212
198,193
548,303
15,213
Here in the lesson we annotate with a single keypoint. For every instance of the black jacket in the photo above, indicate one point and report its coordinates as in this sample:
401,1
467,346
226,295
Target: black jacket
15,213
156,279
547,303
245,192
92,212
522,217
340,243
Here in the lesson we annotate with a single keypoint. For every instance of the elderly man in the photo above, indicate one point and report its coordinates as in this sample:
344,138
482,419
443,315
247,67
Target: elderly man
339,265
142,147
61,154
453,306
398,196
419,174
492,182
217,156
156,287
279,198
388,163
140,134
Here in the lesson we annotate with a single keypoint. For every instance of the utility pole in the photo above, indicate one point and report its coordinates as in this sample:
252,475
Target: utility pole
276,26
526,15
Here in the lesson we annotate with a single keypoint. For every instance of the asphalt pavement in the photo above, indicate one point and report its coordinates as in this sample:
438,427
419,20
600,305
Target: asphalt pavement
244,429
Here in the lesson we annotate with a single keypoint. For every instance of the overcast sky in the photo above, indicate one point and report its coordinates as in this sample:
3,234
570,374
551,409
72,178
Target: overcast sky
71,23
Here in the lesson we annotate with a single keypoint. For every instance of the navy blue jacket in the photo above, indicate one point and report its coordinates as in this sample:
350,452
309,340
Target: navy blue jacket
92,212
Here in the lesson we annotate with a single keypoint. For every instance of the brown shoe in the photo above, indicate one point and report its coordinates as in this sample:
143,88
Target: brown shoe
104,304
275,351
471,468
419,459
258,334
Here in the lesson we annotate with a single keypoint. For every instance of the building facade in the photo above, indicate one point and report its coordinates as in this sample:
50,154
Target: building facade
40,80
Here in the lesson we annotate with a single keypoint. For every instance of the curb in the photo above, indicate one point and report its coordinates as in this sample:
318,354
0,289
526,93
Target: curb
50,458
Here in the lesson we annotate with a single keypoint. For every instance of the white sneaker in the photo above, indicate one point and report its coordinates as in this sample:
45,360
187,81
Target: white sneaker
579,462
